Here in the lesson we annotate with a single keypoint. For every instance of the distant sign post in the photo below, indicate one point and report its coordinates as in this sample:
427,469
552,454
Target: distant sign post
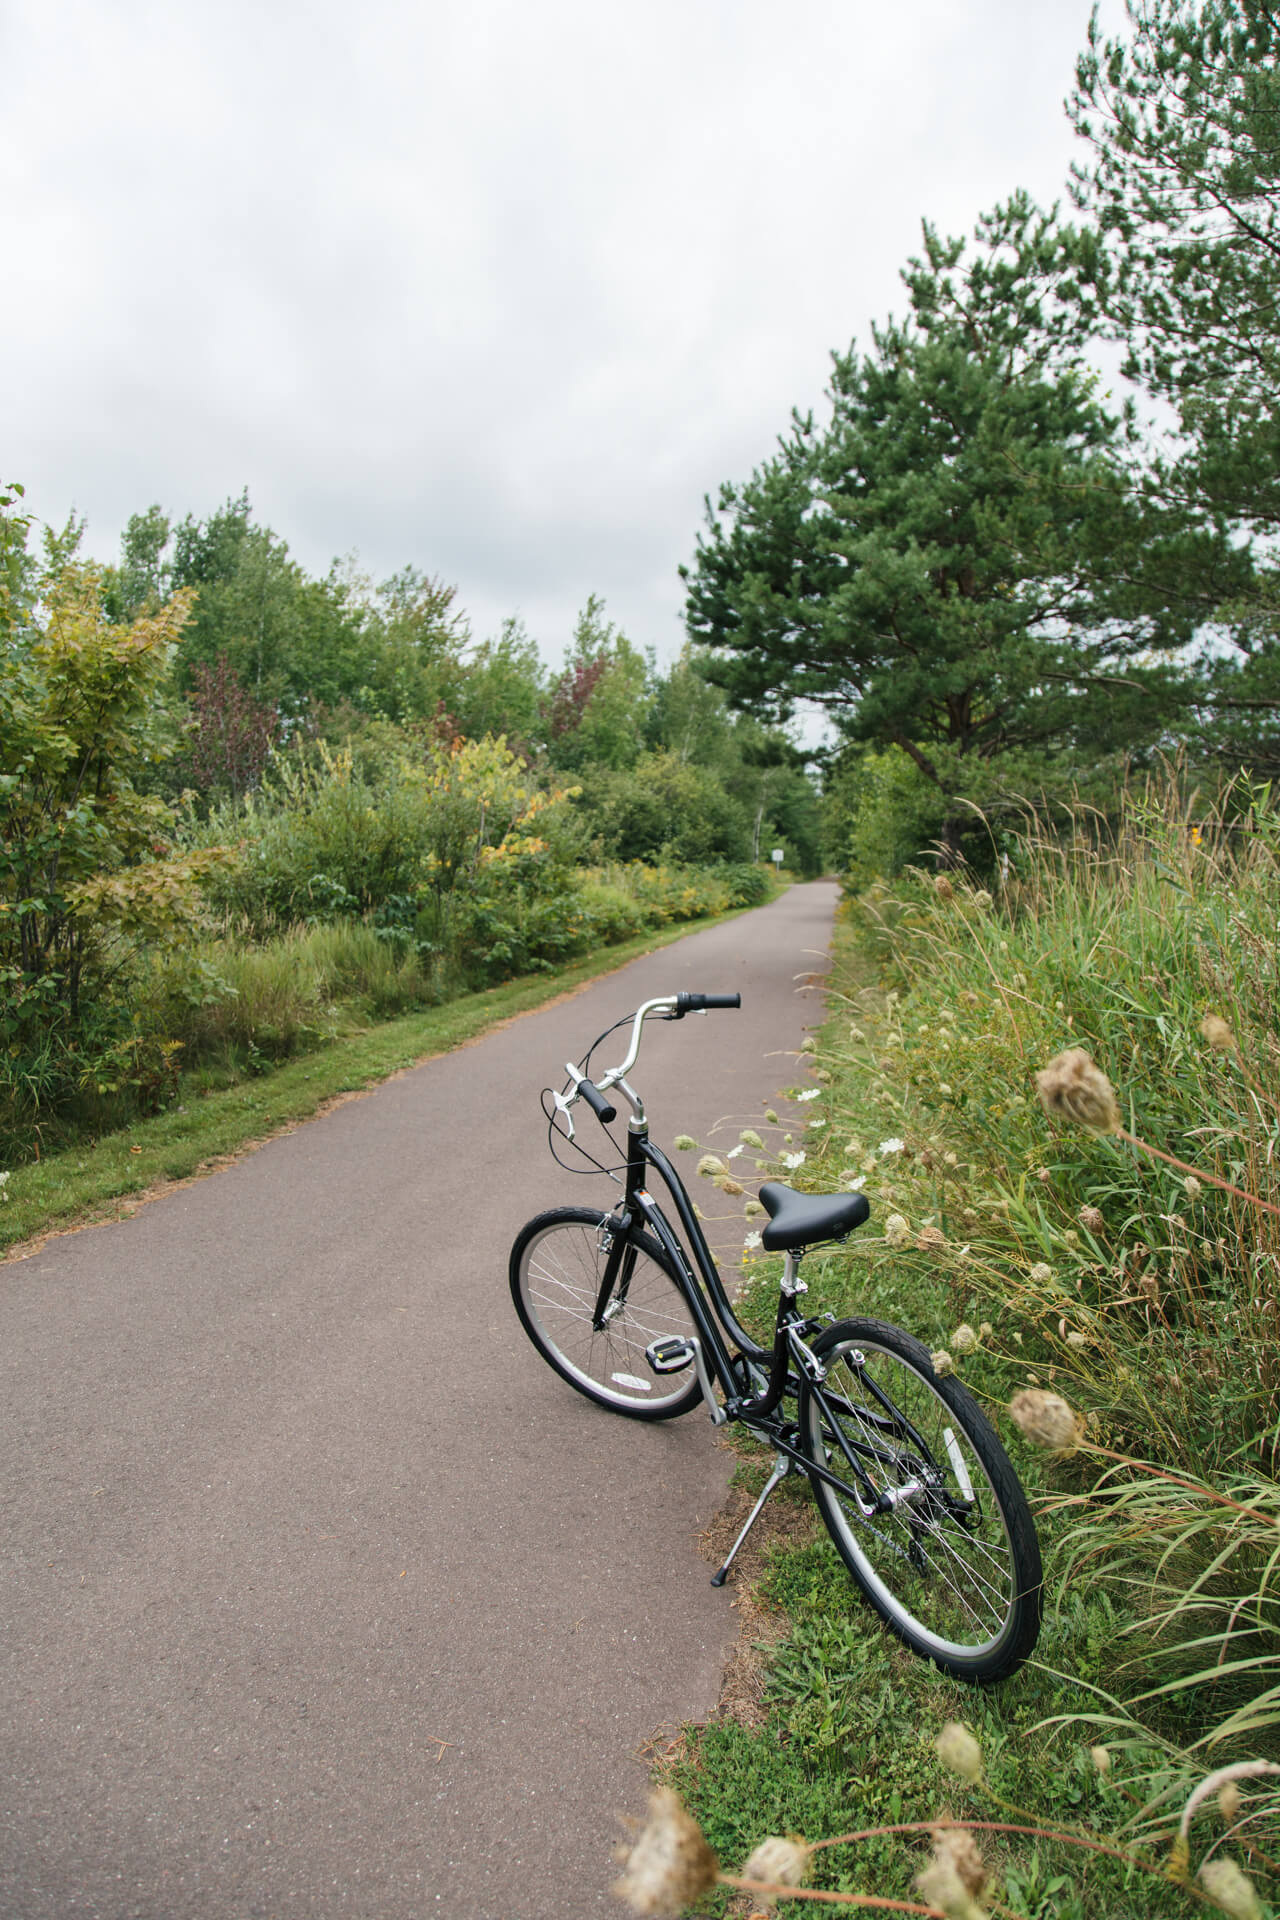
777,856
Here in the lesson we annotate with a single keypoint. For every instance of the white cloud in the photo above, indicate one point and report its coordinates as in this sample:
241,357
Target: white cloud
502,290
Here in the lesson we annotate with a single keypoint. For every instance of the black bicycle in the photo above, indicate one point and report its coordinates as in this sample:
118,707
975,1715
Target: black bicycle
915,1489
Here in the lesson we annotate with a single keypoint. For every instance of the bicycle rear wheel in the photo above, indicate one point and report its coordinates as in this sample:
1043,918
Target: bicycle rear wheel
557,1269
953,1564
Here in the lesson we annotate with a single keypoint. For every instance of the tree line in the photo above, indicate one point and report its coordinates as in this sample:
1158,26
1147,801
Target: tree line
1002,575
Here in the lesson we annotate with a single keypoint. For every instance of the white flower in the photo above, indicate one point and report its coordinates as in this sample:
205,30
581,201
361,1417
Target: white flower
887,1147
4,1181
857,1183
751,1242
735,1151
792,1159
810,1093
815,1126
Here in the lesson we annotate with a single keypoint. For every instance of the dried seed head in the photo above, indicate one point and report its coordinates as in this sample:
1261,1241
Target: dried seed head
896,1231
750,1138
986,1330
930,1237
964,1339
808,1044
942,1363
1223,1881
982,898
782,1862
1229,1802
1101,1759
1073,1088
712,1168
685,1143
670,1864
943,887
958,1845
754,1209
1041,1273
730,1186
957,1749
1045,1418
1218,1033
1091,1217
1192,1187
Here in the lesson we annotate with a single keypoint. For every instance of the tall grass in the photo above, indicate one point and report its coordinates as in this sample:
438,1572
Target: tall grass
1145,1296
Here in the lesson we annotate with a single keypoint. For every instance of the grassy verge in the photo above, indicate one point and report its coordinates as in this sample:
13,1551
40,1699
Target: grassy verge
1047,1257
105,1179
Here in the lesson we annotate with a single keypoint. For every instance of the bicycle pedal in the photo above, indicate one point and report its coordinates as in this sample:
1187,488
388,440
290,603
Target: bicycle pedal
669,1356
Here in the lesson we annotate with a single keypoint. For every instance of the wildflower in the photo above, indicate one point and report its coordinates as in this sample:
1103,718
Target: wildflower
896,1231
670,1864
793,1159
855,1182
893,1145
856,1034
942,1363
1045,1418
1091,1217
4,1181
808,1044
754,1209
1071,1237
816,1126
986,1330
751,1242
735,1151
950,1160
1192,1187
964,1339
733,1187
1041,1273
929,1237
712,1168
956,1874
685,1143
750,1138
943,887
1223,1881
771,1116
1218,1033
782,1862
810,1093
1229,1801
1073,1087
957,1749
1101,1759
983,899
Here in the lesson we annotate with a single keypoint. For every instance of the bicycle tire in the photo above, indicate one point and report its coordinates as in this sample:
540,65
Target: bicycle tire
556,1269
953,1570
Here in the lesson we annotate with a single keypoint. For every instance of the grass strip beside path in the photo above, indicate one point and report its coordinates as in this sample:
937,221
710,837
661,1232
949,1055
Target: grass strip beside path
110,1179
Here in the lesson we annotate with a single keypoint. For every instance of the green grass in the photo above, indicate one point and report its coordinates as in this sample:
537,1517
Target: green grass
944,1004
209,1121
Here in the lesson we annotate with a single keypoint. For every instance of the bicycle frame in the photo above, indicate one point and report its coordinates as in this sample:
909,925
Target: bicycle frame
755,1410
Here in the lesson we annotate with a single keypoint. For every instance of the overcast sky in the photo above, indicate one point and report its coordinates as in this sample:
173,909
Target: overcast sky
498,289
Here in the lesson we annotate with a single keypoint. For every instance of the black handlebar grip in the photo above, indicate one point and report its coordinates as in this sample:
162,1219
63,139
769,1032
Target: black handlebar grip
597,1102
701,1002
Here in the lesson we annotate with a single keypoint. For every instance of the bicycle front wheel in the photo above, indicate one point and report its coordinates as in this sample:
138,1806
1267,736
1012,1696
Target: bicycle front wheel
557,1271
929,1516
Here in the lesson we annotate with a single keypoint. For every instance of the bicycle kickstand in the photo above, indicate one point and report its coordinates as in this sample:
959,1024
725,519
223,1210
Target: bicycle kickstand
782,1467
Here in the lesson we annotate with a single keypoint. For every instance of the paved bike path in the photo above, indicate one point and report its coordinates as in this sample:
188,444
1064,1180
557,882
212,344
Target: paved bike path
320,1594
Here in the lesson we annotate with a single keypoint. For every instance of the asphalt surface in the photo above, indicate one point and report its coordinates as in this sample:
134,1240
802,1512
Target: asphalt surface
320,1594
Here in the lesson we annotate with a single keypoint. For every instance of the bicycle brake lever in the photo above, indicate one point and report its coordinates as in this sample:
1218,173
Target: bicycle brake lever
562,1106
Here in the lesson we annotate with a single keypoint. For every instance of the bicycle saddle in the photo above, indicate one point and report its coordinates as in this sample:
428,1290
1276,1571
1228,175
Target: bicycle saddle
801,1219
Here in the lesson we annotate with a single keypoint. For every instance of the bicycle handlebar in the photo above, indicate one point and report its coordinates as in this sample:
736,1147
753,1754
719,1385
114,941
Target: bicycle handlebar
672,1006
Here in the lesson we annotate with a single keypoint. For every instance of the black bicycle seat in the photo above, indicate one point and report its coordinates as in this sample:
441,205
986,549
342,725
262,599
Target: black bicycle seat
802,1219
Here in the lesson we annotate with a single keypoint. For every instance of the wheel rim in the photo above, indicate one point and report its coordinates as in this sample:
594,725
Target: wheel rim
953,1584
561,1271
